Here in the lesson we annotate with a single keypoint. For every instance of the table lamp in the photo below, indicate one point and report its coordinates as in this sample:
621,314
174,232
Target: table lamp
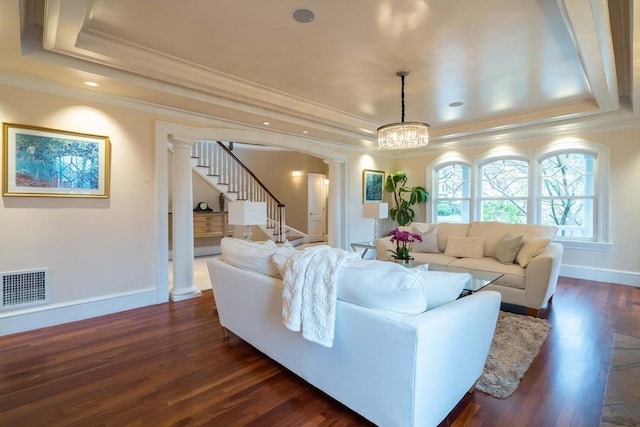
247,214
376,211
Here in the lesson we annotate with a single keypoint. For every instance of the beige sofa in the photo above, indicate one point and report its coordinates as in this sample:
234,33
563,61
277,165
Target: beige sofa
530,269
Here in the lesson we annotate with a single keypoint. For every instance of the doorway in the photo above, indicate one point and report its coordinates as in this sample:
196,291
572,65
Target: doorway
317,207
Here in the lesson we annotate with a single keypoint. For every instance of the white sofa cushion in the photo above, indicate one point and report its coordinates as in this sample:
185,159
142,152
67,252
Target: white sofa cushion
281,255
532,247
382,285
442,287
255,256
465,247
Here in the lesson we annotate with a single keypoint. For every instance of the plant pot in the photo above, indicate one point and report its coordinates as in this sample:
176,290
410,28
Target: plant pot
403,262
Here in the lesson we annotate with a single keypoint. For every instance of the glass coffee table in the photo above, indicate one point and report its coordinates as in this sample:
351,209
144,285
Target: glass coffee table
479,278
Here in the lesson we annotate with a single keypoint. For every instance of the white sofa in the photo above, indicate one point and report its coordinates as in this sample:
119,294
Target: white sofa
394,369
529,280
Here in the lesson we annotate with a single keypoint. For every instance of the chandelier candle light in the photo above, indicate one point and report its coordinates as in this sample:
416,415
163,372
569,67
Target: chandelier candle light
399,136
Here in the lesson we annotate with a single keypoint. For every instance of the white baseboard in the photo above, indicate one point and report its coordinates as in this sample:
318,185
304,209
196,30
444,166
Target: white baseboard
202,251
630,278
36,317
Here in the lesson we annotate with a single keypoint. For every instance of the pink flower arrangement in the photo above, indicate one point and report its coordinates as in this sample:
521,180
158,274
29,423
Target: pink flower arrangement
404,242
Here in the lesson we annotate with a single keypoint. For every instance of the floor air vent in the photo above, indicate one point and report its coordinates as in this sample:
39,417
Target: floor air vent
24,288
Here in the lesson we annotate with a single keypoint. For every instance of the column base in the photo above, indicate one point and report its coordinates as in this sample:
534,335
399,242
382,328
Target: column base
184,294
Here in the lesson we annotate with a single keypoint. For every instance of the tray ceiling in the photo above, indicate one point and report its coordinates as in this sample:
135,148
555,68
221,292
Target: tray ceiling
513,64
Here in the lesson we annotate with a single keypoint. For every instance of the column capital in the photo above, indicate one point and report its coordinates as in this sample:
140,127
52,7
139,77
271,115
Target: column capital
335,160
180,142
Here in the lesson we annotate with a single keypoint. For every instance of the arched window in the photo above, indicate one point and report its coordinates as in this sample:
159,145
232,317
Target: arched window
564,183
567,194
452,193
504,191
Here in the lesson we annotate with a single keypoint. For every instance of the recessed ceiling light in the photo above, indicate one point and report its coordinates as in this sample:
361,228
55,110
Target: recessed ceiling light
305,131
266,123
303,16
456,104
92,84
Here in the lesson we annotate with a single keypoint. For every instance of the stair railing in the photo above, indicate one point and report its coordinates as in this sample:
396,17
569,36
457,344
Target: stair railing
241,180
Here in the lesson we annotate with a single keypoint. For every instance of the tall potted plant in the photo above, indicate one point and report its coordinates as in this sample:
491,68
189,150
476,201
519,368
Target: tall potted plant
402,212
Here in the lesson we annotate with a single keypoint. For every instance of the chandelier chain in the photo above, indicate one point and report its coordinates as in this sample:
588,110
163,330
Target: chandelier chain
402,97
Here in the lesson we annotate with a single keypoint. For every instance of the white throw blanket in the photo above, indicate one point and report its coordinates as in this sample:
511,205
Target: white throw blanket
310,293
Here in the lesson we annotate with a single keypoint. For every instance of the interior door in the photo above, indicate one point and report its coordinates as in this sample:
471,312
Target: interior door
316,207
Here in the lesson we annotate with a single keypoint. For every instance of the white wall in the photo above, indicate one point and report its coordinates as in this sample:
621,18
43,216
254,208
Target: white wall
95,249
361,229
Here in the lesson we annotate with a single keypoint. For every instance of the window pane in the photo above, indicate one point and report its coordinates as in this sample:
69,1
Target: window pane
454,182
568,174
452,211
512,211
505,179
574,217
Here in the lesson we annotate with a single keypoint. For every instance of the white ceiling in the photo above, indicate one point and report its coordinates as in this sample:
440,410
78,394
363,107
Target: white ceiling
513,63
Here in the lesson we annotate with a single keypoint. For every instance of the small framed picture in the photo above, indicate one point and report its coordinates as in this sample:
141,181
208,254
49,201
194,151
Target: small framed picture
54,163
372,185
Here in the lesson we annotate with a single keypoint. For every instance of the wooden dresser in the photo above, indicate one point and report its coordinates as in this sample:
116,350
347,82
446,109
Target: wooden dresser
206,224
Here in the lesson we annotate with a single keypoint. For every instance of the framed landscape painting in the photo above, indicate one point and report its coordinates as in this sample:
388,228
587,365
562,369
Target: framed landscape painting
53,163
372,185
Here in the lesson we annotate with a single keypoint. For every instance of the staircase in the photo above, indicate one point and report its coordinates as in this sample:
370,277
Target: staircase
214,162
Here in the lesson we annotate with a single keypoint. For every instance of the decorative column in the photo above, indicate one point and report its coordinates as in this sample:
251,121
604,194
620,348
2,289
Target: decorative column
334,207
182,207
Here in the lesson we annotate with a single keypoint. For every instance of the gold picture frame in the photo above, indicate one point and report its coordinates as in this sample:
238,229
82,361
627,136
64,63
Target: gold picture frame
42,162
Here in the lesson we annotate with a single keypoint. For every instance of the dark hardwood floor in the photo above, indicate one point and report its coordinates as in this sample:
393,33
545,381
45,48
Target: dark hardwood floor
169,365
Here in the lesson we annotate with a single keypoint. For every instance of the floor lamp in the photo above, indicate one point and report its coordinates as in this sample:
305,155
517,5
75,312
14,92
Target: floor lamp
247,214
376,211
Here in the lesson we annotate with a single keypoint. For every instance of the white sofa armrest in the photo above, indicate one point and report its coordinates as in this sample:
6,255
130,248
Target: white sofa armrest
541,276
455,351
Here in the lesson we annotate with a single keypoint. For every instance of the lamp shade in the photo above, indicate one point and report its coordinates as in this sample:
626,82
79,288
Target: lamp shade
376,210
247,213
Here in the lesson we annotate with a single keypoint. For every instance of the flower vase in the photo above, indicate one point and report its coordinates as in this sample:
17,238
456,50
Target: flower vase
403,262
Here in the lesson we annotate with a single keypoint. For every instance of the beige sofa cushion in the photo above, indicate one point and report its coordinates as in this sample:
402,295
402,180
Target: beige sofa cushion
446,230
532,247
494,231
465,247
513,274
508,247
431,258
429,241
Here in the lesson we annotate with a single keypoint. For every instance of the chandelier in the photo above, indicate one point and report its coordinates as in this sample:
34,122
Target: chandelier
399,136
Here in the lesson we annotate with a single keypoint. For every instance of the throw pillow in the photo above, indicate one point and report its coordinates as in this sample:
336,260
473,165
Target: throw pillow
442,287
507,248
421,227
465,247
382,285
429,241
255,256
532,247
283,254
